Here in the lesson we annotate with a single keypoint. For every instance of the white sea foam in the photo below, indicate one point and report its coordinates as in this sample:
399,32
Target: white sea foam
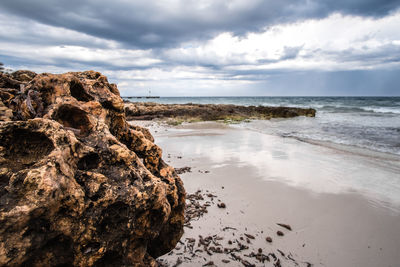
383,110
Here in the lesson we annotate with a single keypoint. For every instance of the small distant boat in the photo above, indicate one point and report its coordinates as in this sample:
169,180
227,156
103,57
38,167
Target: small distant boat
149,96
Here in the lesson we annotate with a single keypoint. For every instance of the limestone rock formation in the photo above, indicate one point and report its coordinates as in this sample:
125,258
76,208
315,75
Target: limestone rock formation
210,112
79,186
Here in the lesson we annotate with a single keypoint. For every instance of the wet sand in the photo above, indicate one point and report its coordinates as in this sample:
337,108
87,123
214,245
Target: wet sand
340,212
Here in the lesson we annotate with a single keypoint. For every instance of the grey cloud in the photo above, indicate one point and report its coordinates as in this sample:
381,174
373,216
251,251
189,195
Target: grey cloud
290,52
384,54
24,31
359,7
149,24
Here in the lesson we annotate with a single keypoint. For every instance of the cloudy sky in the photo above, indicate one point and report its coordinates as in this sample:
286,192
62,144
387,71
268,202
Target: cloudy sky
211,47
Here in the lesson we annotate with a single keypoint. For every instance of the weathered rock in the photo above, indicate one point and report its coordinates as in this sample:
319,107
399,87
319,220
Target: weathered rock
210,112
79,186
183,170
5,113
23,75
7,81
221,205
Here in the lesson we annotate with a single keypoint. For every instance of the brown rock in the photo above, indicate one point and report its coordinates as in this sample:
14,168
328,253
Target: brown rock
287,226
210,112
183,170
23,75
79,186
5,113
7,81
249,236
221,205
146,133
268,239
279,233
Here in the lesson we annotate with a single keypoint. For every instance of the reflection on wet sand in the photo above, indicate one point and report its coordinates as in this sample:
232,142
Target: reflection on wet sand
317,168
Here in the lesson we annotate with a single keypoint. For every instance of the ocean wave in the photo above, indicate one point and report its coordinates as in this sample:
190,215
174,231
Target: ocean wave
340,109
384,110
392,149
291,105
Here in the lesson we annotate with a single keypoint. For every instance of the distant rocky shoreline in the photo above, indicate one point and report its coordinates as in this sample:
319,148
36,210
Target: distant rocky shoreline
209,112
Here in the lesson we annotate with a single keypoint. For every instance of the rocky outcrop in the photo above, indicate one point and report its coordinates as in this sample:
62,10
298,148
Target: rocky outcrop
79,185
210,112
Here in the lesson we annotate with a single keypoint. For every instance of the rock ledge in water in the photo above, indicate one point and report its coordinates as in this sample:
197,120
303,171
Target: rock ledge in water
210,112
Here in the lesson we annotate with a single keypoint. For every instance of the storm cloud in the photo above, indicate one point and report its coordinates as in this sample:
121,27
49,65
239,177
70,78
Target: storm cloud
213,47
152,24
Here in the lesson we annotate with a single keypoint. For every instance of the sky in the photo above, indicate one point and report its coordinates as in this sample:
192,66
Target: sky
211,47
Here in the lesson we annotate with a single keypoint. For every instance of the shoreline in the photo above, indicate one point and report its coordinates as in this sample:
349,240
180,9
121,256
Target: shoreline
345,228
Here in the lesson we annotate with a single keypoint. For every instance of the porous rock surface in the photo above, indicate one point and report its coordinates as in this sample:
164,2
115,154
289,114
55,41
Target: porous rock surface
79,186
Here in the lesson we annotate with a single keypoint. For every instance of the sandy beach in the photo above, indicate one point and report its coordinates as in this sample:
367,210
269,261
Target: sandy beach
331,197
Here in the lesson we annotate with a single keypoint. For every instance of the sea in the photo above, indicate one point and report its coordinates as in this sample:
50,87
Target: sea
371,123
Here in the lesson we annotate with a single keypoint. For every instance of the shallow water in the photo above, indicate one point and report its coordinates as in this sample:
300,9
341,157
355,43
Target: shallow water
318,168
